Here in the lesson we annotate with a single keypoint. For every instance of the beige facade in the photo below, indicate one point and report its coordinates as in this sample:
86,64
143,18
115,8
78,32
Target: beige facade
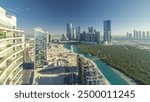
11,50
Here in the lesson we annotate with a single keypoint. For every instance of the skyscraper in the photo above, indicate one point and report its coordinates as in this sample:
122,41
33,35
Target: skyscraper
143,35
137,35
40,48
129,36
107,31
97,37
148,35
78,33
69,31
11,50
74,33
50,36
140,35
134,34
90,29
91,37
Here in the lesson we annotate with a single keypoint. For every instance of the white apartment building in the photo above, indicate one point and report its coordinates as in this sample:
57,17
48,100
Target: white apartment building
11,50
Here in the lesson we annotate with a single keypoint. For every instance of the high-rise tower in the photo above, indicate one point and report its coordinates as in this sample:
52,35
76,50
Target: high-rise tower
69,31
107,31
78,33
40,47
11,50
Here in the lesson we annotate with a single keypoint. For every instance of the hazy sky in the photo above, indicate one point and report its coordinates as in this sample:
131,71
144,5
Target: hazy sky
52,15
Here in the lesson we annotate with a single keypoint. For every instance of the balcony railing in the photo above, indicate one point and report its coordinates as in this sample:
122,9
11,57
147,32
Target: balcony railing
4,37
9,47
12,53
4,68
1,70
5,26
15,70
16,79
9,69
14,73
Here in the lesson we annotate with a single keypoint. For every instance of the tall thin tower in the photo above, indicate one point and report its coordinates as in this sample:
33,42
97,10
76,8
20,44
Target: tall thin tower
69,31
107,31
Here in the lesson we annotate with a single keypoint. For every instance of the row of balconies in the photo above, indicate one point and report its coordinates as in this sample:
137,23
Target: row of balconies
4,48
9,60
11,71
17,79
11,56
7,26
4,35
13,74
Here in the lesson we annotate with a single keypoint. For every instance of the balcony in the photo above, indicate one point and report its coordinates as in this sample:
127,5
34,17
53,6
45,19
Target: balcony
7,29
16,79
9,55
6,70
1,70
15,72
6,26
2,36
9,46
9,38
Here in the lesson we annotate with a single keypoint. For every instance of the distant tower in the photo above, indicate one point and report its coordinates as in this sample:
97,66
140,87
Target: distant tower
69,31
140,35
134,34
74,33
128,36
78,33
137,35
90,29
107,31
148,35
50,38
143,35
98,37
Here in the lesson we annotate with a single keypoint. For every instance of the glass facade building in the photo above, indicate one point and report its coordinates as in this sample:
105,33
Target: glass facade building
107,31
40,48
69,31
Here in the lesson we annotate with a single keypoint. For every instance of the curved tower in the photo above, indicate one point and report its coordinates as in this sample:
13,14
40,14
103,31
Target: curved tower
11,50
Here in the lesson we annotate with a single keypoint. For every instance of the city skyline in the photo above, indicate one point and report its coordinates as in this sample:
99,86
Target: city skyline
54,14
83,59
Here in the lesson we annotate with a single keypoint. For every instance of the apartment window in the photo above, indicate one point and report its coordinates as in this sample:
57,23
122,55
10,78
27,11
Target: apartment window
14,41
14,34
14,49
